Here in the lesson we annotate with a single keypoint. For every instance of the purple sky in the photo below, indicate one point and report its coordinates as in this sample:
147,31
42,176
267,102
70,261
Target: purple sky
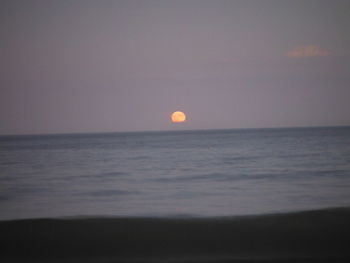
99,66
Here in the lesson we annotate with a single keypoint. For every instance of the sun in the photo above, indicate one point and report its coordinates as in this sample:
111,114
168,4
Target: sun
178,116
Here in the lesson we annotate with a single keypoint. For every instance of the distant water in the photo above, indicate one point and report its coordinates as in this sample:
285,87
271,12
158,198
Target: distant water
180,173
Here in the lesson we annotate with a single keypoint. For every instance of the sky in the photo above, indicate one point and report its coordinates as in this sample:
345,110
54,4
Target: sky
109,66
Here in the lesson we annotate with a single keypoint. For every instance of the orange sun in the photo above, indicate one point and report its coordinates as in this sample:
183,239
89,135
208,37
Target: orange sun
178,116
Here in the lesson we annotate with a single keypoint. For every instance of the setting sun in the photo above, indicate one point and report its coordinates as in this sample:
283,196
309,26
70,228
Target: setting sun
178,116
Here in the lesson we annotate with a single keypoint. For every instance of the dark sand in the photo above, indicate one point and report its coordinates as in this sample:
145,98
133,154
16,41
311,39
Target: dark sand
314,236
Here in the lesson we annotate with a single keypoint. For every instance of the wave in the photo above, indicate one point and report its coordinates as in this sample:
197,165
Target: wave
108,192
209,177
310,236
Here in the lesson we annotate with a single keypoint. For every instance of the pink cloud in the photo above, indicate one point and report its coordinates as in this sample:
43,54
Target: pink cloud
307,51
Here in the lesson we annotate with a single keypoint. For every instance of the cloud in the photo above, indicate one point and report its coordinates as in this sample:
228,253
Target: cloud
307,51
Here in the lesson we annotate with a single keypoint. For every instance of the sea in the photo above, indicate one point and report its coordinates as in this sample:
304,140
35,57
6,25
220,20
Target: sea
193,173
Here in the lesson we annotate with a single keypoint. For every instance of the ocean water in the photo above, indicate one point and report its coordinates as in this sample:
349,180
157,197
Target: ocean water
174,173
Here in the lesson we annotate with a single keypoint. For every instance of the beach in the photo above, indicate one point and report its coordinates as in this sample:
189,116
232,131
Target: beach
174,131
258,195
308,236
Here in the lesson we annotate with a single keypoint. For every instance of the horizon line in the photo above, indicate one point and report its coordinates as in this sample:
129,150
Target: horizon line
183,130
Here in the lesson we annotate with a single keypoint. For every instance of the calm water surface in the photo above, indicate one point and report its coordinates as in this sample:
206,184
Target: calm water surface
182,173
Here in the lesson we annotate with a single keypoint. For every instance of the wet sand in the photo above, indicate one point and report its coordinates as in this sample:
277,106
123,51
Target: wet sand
311,236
